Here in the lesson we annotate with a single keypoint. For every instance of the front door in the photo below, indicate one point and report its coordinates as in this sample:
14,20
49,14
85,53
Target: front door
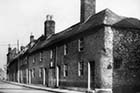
51,77
27,75
30,76
91,75
44,76
57,75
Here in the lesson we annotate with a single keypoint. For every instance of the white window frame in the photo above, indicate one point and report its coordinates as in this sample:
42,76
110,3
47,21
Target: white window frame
33,73
33,59
65,49
80,68
80,44
51,54
40,72
65,69
41,56
51,64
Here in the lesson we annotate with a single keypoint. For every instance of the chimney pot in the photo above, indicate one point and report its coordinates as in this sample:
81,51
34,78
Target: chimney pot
47,17
49,26
31,38
51,17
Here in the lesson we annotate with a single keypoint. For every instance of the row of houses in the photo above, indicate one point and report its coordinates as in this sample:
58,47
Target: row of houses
101,52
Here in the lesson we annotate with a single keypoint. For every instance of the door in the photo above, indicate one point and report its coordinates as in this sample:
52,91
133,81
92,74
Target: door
44,76
91,75
30,72
57,76
27,76
51,78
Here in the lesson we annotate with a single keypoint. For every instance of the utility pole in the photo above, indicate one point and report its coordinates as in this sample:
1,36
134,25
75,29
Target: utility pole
18,74
17,46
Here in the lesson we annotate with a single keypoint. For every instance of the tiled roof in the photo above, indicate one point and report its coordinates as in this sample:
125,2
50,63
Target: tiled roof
105,17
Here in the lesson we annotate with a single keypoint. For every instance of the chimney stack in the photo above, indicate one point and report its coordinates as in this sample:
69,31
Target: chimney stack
49,26
22,47
31,38
87,9
9,48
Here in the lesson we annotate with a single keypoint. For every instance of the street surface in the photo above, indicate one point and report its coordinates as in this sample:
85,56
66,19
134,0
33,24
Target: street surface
10,88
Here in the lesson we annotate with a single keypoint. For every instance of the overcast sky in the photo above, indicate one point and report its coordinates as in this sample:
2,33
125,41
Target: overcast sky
20,18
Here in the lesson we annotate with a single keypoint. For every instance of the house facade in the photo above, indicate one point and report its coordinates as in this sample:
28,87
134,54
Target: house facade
99,53
12,66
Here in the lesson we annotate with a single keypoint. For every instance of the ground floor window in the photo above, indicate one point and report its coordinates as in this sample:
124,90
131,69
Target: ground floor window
40,72
33,72
65,70
80,68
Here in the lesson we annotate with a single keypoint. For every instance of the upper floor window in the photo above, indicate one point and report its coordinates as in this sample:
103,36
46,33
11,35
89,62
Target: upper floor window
52,64
25,60
117,63
51,54
33,59
41,56
65,70
65,49
81,44
80,68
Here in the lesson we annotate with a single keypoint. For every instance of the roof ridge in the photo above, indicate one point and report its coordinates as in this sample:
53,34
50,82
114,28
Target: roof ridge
110,17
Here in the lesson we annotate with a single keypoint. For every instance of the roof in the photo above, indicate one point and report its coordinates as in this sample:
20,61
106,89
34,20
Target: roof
105,17
38,43
22,52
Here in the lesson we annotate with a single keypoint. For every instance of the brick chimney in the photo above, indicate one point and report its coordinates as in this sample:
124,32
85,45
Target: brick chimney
22,48
31,38
87,9
9,48
49,27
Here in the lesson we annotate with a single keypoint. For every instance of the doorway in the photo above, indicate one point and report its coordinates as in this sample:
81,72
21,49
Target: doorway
44,76
30,76
57,76
91,75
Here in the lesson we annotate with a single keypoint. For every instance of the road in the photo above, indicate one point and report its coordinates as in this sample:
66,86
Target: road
10,88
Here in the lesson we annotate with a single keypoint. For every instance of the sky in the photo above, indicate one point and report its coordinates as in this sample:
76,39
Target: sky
20,18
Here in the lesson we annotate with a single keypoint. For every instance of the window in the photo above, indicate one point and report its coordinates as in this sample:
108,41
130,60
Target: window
65,49
25,60
40,72
80,68
33,59
117,63
33,72
41,56
51,64
81,44
51,54
65,70
30,73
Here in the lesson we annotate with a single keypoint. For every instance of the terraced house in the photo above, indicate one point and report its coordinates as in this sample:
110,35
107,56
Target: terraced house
99,53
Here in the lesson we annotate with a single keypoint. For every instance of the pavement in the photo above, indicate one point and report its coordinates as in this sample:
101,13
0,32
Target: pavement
40,87
13,88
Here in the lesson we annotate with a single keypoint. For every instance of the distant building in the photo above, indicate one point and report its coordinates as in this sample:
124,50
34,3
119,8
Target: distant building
99,53
2,74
